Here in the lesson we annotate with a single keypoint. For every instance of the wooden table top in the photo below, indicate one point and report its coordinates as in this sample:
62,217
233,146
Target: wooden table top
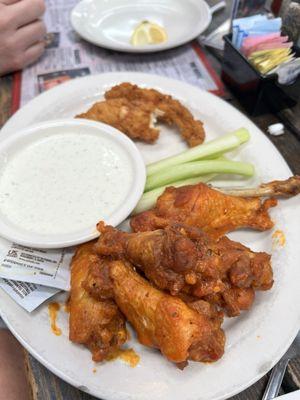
46,386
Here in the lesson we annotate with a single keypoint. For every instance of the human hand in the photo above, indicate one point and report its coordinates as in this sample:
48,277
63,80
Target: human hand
21,33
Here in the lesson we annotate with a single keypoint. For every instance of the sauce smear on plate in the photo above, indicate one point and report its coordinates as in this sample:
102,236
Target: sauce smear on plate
127,355
53,309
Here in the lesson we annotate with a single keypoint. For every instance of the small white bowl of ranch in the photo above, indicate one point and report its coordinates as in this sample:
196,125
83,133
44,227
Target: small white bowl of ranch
58,179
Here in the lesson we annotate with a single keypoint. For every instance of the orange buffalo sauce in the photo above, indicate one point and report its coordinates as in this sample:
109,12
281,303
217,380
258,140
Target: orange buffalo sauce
67,306
53,309
278,238
127,355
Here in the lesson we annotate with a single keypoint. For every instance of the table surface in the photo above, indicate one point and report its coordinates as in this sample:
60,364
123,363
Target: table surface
46,386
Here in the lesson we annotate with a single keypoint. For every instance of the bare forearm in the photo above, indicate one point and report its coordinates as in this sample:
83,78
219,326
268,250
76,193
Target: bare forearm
13,382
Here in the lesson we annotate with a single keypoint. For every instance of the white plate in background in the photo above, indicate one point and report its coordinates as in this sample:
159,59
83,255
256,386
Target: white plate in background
110,23
255,341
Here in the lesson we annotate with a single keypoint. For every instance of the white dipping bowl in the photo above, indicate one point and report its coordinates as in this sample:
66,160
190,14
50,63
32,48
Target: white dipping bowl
58,179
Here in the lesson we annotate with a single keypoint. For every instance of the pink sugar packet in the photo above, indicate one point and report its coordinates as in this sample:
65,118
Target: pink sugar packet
269,46
249,46
252,40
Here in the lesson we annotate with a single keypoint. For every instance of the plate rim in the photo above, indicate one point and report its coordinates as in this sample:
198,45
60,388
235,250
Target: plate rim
120,77
73,382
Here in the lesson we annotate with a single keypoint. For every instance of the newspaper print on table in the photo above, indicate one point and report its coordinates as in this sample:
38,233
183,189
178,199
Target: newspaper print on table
68,56
52,79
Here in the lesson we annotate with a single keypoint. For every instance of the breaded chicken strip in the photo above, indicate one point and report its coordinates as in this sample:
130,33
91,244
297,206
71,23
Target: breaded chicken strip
134,118
134,111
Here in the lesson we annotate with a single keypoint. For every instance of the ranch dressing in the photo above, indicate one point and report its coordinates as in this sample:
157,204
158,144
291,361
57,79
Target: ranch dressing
64,182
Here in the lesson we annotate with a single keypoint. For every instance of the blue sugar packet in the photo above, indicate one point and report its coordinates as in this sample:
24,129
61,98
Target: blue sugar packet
240,38
235,32
260,29
249,21
268,26
261,33
240,25
257,25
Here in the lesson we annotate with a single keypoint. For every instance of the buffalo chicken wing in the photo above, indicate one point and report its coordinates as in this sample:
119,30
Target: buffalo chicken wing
201,206
213,211
182,259
165,322
96,323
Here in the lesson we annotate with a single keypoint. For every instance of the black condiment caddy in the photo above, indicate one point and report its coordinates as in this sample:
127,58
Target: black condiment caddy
258,93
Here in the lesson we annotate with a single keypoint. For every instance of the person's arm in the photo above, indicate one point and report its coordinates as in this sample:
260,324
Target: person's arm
21,33
13,380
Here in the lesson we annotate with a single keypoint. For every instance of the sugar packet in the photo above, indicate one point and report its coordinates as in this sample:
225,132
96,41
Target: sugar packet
252,42
240,25
268,46
267,60
257,25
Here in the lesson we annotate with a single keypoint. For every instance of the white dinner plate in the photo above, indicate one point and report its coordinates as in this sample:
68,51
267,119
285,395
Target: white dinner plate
255,341
110,23
53,182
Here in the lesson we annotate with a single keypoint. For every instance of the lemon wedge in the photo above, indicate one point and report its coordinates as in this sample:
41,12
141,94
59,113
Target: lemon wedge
148,33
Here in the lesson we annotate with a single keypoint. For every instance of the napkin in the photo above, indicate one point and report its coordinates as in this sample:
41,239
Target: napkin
290,396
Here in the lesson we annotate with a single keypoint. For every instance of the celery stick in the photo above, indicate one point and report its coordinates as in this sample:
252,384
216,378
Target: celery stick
148,199
194,169
208,149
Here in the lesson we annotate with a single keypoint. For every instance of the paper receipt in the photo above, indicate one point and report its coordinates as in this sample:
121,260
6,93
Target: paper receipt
27,295
44,267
